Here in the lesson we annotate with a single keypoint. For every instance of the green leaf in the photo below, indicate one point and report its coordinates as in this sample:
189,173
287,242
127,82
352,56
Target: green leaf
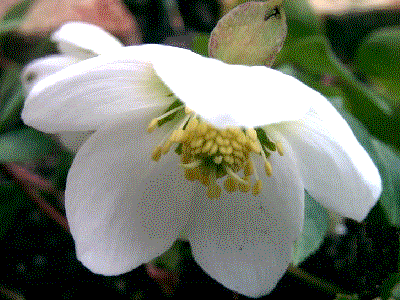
301,19
389,285
24,145
18,10
11,200
388,163
171,259
9,113
14,16
346,297
314,230
311,53
200,44
379,54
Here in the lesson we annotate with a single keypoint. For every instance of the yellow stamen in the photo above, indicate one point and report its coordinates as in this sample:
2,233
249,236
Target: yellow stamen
279,148
153,124
257,187
207,152
245,187
230,184
156,155
248,168
268,168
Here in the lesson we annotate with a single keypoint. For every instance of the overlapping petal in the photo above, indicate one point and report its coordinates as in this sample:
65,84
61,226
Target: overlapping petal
84,40
336,170
43,67
123,208
231,94
85,95
245,241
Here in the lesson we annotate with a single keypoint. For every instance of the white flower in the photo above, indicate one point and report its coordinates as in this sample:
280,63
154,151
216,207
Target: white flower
76,41
239,198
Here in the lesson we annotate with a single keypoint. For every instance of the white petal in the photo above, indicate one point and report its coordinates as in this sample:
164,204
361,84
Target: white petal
124,209
73,140
335,168
231,94
245,241
84,40
81,97
43,67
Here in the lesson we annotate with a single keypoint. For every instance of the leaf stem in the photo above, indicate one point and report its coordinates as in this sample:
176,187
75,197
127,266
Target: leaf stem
315,281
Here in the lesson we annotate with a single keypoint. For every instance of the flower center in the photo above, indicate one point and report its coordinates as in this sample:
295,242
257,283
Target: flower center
208,153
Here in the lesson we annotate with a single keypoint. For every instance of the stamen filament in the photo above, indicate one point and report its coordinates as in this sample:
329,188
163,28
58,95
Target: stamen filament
153,124
234,175
191,165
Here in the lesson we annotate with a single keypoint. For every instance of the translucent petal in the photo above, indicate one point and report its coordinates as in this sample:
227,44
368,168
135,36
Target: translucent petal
83,96
244,241
231,94
336,170
124,209
43,67
84,40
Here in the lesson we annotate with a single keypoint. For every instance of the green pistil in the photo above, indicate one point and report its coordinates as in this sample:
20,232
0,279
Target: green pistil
174,104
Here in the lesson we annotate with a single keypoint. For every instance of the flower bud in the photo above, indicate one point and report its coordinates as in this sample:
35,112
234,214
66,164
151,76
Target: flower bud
251,34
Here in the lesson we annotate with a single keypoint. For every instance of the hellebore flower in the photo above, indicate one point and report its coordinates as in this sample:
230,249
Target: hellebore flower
76,41
184,143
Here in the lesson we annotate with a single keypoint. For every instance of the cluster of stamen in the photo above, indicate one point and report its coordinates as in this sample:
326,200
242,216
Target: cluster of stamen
208,153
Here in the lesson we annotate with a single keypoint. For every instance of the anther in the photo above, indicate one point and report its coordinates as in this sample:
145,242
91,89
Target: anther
192,174
248,168
245,187
236,145
192,124
214,191
156,155
252,134
207,146
230,184
257,187
210,135
202,128
218,159
279,148
214,149
166,147
268,168
229,159
153,124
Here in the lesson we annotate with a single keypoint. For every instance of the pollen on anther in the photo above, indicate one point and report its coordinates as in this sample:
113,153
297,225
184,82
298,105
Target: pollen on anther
248,168
218,159
156,155
230,184
252,134
279,148
152,125
207,146
245,187
191,174
257,187
268,168
214,191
